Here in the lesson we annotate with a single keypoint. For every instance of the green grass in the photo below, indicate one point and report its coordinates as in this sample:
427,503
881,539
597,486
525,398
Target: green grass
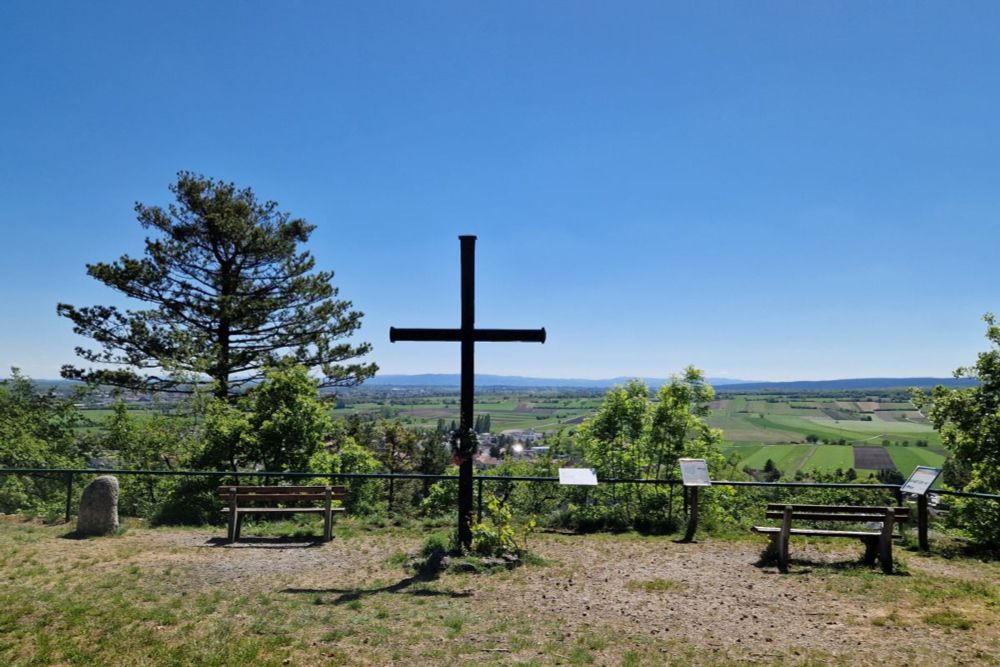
908,458
949,619
788,458
830,457
655,585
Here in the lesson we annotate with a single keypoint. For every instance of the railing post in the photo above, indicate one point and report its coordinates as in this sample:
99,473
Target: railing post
479,508
670,502
922,520
692,525
69,495
899,496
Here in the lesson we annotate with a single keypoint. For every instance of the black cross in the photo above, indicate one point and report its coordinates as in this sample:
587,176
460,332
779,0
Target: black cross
468,335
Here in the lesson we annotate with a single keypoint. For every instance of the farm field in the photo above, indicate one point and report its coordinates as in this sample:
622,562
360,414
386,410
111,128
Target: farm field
797,431
814,433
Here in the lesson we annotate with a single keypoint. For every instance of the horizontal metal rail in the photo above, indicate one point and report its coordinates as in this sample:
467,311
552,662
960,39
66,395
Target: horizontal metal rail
69,474
501,478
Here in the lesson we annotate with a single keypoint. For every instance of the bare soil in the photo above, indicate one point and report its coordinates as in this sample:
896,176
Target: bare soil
873,458
709,602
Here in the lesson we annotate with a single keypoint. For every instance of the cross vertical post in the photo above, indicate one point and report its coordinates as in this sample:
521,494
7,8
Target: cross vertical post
467,448
467,335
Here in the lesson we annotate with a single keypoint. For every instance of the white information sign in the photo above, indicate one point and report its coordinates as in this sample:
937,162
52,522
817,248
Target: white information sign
578,476
694,472
920,480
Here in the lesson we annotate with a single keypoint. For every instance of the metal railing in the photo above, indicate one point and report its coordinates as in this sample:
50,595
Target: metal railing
69,474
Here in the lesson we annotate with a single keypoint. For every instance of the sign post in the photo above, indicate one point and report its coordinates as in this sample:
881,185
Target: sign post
919,483
694,474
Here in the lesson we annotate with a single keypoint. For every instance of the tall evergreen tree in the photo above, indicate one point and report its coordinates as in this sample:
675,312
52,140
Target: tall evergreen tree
230,293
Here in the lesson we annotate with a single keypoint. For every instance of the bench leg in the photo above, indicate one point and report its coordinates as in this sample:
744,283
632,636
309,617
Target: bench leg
328,516
871,550
233,519
786,528
771,552
885,541
239,525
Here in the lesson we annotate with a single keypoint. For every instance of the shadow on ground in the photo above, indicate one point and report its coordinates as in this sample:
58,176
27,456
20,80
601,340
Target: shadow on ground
266,543
347,595
768,560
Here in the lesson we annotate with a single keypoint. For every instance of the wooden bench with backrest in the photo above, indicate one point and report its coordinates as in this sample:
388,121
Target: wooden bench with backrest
878,543
271,500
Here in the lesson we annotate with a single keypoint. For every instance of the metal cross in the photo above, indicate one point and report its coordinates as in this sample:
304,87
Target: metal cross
468,335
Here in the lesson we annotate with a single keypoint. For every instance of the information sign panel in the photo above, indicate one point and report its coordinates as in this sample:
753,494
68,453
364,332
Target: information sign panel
578,476
920,480
694,472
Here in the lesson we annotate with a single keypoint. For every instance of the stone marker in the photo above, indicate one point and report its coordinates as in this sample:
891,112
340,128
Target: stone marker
99,507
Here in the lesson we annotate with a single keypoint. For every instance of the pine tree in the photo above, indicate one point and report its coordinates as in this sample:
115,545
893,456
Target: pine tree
230,294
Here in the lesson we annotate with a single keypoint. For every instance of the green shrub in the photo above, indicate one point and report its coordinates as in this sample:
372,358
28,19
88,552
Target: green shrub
498,534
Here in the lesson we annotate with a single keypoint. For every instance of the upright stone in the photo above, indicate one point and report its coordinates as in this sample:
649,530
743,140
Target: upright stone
99,507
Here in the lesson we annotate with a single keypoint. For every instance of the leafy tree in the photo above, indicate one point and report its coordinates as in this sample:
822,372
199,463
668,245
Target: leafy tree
482,423
227,436
345,455
397,449
632,436
36,431
230,294
288,421
968,420
154,441
433,458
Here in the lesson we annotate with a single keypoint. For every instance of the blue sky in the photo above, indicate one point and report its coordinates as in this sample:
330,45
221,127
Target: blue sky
795,190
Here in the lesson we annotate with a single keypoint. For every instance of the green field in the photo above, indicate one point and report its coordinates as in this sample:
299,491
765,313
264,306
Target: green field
809,433
798,432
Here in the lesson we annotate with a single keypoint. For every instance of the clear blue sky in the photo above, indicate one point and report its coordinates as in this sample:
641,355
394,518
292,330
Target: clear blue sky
772,190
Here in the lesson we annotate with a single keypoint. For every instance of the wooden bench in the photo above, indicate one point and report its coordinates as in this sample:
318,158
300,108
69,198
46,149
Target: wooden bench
878,543
242,500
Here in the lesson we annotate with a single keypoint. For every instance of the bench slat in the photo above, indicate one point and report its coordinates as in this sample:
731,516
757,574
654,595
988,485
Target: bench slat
282,510
283,496
821,516
816,532
228,488
843,509
901,513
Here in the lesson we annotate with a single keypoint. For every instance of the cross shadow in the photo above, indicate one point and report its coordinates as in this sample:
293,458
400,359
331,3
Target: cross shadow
346,595
265,543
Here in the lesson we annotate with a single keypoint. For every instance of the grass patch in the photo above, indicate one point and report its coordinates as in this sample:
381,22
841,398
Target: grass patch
949,619
655,585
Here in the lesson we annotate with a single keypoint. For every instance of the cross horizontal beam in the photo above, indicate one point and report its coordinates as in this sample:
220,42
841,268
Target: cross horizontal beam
478,335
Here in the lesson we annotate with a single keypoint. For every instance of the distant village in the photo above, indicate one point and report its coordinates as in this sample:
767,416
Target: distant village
511,443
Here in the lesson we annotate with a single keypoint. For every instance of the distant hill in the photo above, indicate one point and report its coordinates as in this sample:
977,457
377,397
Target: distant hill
723,385
454,380
849,384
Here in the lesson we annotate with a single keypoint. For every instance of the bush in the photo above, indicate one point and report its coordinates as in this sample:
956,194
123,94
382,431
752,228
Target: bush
498,534
192,501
